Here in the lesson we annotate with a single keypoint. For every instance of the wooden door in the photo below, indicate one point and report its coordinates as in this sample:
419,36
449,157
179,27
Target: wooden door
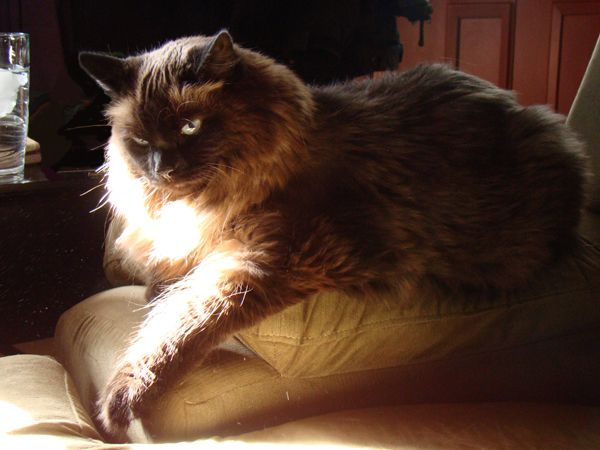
553,45
573,33
539,48
479,40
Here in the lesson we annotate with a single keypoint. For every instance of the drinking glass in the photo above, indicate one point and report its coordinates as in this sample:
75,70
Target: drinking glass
14,102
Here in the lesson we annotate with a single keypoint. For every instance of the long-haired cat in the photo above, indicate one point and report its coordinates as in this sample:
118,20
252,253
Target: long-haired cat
243,191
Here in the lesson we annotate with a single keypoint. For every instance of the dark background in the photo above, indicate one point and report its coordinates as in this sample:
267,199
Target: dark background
323,41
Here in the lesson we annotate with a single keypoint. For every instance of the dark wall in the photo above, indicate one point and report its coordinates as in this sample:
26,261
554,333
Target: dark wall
322,40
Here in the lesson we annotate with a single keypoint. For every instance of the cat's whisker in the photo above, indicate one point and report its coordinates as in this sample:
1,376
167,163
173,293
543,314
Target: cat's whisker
146,306
103,168
101,185
82,127
104,144
104,201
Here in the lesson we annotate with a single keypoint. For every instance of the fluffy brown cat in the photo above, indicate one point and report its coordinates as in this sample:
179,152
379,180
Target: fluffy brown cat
244,191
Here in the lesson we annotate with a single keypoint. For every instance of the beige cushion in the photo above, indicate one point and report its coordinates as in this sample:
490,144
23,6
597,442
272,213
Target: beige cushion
89,338
500,425
332,352
39,406
334,334
39,409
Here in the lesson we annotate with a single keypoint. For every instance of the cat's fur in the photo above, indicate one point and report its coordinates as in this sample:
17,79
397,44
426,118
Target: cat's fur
428,174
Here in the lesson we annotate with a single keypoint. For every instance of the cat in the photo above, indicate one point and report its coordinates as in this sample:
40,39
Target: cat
244,190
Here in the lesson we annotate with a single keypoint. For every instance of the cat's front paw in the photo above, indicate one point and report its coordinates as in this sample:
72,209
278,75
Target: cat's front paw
120,401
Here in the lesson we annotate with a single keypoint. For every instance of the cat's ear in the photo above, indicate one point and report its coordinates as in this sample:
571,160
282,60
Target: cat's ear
114,75
220,57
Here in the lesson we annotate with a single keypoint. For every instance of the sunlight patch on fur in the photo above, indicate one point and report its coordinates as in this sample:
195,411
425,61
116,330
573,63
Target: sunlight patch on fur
126,192
206,293
173,231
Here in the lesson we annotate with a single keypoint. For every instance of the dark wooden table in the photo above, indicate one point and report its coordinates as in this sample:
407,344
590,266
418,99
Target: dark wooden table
51,246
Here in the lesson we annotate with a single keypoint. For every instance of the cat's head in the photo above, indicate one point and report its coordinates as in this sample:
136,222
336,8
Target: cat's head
202,108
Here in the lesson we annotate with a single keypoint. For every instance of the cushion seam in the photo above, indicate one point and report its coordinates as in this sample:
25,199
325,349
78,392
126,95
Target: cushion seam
458,355
71,404
238,387
416,320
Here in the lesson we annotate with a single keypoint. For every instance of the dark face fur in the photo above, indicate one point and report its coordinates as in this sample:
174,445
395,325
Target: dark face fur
176,110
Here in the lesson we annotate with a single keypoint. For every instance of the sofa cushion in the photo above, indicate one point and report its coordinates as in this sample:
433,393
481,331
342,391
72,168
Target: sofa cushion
39,406
444,426
233,392
332,352
39,409
332,333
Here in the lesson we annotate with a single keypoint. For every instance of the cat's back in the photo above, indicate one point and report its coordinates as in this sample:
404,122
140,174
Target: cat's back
421,87
489,189
439,111
434,119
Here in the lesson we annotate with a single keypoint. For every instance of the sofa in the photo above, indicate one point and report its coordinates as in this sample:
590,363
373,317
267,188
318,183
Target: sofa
516,370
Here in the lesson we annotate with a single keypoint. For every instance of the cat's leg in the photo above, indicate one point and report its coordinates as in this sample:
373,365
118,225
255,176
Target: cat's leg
234,287
218,297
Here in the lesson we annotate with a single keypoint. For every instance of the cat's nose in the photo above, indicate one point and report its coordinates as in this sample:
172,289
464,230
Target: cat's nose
156,161
163,162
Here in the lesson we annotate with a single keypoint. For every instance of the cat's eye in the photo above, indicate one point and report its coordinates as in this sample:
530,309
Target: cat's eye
139,141
191,127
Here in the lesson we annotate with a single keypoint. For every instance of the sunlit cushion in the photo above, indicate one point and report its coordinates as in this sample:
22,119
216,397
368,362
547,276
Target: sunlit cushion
332,333
39,406
39,409
332,352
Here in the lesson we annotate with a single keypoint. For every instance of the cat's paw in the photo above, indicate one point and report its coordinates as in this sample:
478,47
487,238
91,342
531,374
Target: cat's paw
120,401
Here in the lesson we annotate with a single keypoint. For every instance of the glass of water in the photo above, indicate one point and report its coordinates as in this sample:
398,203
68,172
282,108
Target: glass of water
14,102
